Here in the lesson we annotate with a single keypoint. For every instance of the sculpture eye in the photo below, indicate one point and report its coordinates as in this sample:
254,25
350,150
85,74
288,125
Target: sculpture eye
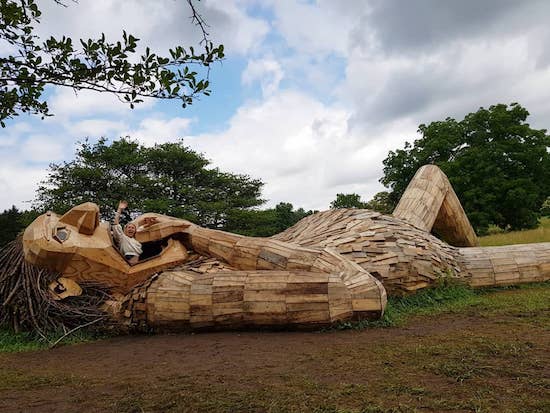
61,234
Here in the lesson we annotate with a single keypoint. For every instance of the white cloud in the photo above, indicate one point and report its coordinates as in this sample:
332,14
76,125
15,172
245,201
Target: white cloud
96,128
11,135
159,130
299,147
313,27
267,71
67,103
43,148
18,183
231,25
443,83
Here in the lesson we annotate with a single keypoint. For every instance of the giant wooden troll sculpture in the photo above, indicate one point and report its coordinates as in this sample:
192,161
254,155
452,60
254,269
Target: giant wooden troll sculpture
329,267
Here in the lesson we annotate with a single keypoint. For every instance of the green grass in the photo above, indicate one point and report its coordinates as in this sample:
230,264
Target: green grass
540,234
10,379
11,342
453,297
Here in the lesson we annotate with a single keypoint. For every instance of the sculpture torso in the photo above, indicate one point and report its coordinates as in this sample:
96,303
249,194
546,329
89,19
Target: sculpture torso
401,256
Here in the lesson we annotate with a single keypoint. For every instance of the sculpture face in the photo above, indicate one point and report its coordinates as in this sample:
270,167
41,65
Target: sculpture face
80,248
331,266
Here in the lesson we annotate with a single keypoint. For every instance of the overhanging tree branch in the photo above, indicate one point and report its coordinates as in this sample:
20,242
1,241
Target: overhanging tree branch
96,65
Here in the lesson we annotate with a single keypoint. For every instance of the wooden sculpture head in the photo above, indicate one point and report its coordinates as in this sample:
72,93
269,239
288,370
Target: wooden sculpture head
79,247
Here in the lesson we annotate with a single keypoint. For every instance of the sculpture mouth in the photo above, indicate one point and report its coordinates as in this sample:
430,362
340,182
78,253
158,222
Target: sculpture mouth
153,249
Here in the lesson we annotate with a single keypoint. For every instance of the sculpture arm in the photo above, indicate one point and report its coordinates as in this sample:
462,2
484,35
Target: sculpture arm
152,227
145,221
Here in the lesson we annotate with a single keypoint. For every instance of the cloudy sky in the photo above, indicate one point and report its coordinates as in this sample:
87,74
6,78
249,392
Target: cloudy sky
312,94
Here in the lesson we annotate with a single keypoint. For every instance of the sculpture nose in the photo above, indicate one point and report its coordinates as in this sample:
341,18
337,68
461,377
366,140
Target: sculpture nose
85,217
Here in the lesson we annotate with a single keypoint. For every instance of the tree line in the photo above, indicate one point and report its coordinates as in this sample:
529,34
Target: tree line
169,179
498,165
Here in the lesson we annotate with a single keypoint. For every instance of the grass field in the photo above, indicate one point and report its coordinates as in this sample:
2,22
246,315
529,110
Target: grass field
11,342
540,234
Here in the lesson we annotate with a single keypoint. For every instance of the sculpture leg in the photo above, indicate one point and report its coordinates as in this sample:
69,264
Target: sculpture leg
506,265
368,295
430,203
186,300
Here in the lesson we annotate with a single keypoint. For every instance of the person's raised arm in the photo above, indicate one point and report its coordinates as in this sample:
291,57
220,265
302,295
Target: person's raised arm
122,205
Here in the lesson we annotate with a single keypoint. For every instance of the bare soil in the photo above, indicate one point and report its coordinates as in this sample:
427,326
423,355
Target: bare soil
449,363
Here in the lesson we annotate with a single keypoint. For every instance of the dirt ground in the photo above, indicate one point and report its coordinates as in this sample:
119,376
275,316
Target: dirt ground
460,363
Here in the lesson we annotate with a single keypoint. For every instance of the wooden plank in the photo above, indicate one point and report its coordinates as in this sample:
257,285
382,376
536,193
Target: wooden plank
264,295
306,288
265,307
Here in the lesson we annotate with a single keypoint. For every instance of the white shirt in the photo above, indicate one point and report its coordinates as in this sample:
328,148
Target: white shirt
126,244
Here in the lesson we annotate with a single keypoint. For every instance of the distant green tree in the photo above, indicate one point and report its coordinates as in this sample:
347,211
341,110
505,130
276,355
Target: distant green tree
287,216
12,222
347,201
498,165
381,202
26,217
265,223
545,210
9,222
168,178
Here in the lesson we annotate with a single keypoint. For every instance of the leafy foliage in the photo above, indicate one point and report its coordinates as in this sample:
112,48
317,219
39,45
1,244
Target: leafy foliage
381,202
498,165
545,209
264,223
12,222
93,64
347,201
169,179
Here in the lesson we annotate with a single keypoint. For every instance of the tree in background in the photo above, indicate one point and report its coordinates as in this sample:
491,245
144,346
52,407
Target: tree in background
169,179
264,223
347,201
498,165
545,209
381,202
12,222
92,64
